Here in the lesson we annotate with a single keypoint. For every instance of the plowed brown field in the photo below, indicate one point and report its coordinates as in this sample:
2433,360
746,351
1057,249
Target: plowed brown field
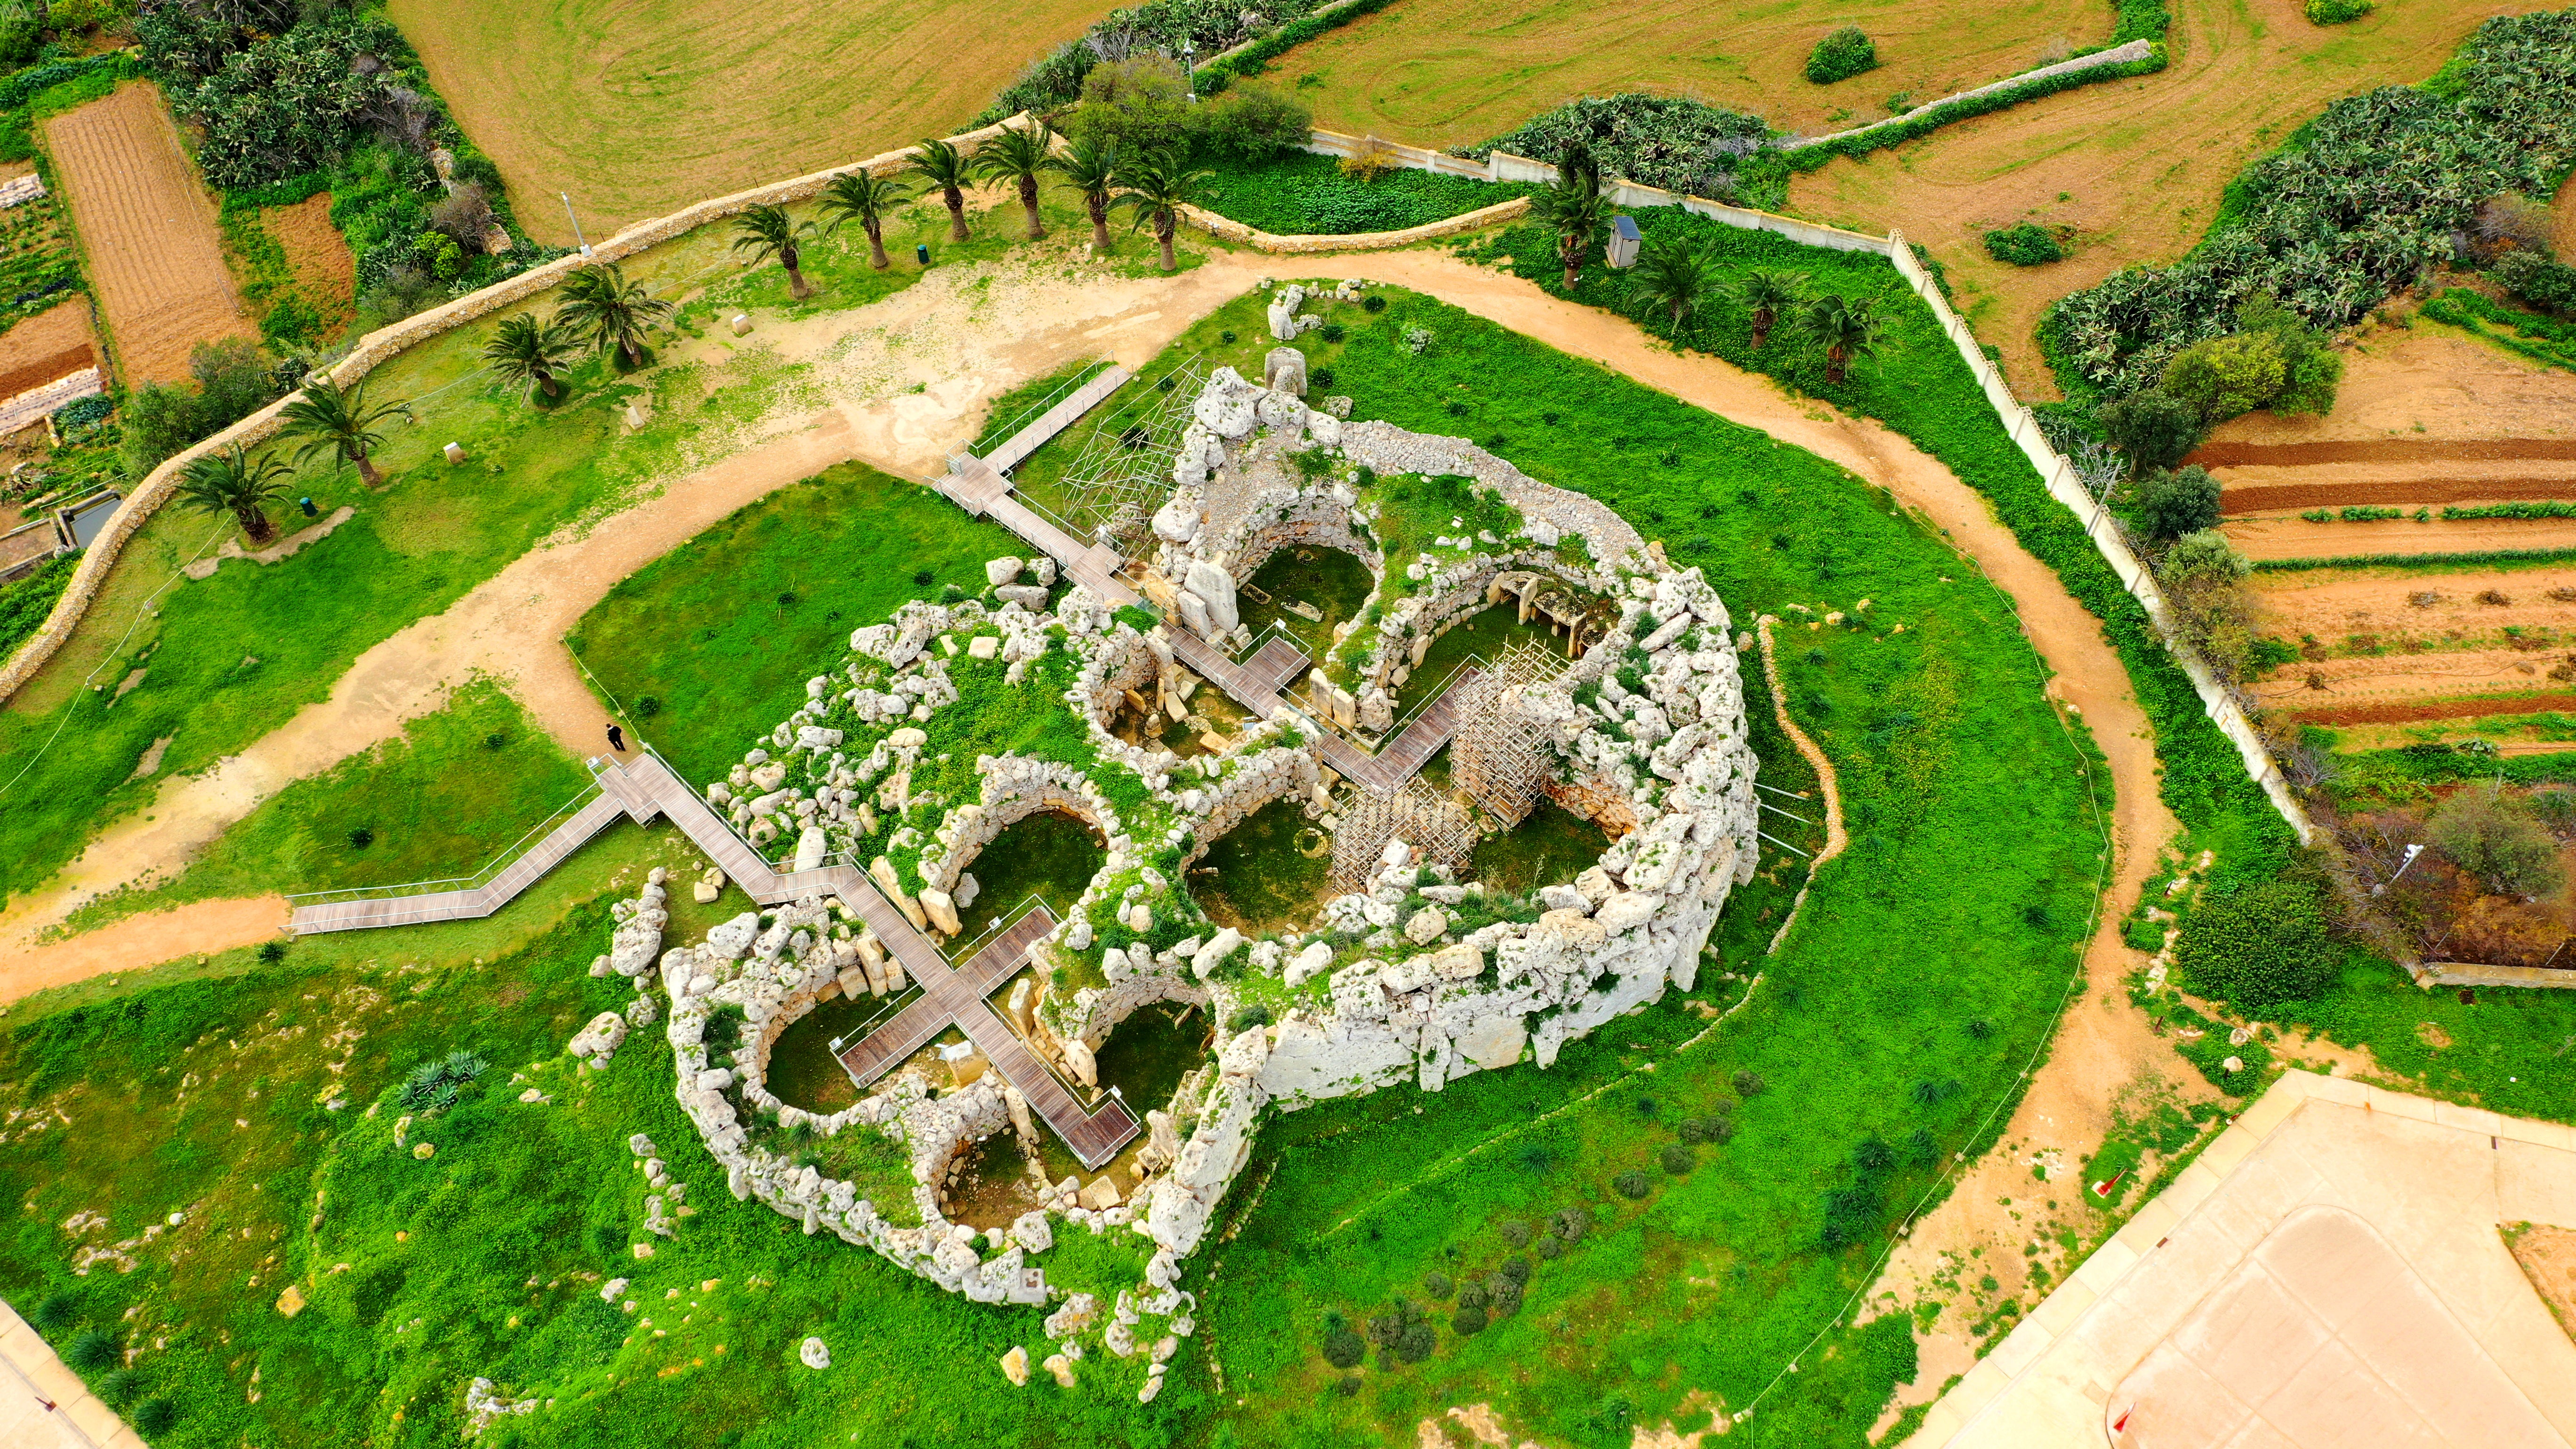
2413,646
54,343
2294,537
154,253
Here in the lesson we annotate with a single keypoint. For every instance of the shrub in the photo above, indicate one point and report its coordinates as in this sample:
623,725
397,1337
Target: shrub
1470,1321
57,1312
120,1387
1141,104
1416,1342
648,707
1321,377
1872,1157
1516,1269
1748,1083
234,378
463,216
1678,1159
2496,839
1668,141
1251,120
1550,1249
1502,1295
1342,1348
1570,1224
1631,1185
360,837
2204,556
2173,504
1843,54
93,1352
1472,1295
2026,245
1515,1232
1246,1018
2532,276
1372,304
2151,427
2337,12
1331,332
2226,377
155,1417
1438,1286
272,952
2258,946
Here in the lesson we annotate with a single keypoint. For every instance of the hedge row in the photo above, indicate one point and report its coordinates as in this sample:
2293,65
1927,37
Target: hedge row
1255,58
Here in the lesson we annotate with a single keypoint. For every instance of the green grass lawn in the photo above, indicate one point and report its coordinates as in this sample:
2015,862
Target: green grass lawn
721,633
1049,857
1304,195
1327,580
1258,877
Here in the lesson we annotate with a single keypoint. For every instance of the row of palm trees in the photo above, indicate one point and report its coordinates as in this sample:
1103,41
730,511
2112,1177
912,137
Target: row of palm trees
1674,276
602,312
329,419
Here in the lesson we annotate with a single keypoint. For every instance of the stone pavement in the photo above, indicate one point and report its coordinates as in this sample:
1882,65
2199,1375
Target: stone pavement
2328,1273
43,1404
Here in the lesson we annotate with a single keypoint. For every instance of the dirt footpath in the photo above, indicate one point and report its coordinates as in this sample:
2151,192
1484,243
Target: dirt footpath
154,252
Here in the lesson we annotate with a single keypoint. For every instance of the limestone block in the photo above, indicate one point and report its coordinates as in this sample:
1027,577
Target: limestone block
709,887
1426,925
1062,1367
1494,1041
811,847
1100,1194
1462,962
1284,370
1032,1232
1314,958
1015,1366
1564,898
1624,911
1003,570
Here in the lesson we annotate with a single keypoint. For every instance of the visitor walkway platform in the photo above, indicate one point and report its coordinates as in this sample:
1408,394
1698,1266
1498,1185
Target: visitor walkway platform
649,787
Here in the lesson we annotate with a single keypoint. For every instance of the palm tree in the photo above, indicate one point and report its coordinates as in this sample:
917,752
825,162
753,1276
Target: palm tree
1575,208
528,351
1846,328
766,231
1091,168
1156,187
338,421
1020,155
865,199
228,482
1765,293
609,312
942,165
1670,274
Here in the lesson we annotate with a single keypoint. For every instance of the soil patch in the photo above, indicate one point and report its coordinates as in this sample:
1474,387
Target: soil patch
640,107
1454,72
2393,608
325,270
2417,711
52,344
2233,454
2397,486
2294,537
2135,166
198,928
2548,1258
2442,674
154,252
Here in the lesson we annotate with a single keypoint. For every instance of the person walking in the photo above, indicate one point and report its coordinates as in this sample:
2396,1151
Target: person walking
616,738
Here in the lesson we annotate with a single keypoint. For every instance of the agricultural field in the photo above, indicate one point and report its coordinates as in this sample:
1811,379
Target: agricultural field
155,256
1446,73
36,261
53,343
2132,171
639,110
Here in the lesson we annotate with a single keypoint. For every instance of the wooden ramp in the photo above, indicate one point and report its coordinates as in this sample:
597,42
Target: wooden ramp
1056,419
463,903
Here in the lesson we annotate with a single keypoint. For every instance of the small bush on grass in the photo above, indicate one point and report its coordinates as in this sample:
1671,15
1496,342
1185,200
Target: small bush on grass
2496,839
1748,1083
1438,1286
2173,504
1631,1185
1469,1321
2535,278
1246,1018
155,1417
2151,427
1843,54
1515,1233
2026,245
1678,1160
2338,12
1570,1224
2258,947
1342,1348
93,1351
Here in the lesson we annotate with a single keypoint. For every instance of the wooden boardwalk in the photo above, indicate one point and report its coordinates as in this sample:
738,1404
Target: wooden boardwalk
1056,419
360,913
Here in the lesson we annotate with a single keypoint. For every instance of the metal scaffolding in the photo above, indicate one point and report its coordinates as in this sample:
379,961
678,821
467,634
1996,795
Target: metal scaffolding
1499,757
1123,470
1416,814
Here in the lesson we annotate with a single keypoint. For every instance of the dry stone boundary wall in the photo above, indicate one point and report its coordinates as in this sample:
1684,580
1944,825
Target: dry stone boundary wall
376,348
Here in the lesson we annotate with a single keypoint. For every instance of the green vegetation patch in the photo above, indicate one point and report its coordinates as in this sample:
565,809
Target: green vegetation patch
712,643
1268,873
1300,194
26,602
2527,334
1842,54
1047,857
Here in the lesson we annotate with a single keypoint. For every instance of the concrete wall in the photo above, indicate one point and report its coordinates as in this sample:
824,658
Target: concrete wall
1365,241
2067,488
375,348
